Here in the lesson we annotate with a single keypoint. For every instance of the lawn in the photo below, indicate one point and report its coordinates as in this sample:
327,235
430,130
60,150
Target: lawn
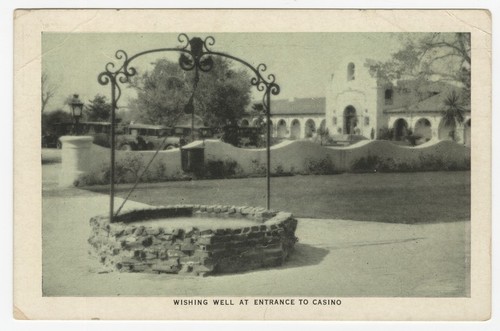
410,198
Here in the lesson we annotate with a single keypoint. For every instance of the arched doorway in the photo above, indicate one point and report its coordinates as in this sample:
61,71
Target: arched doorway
446,130
295,129
400,129
350,120
309,129
467,133
281,129
244,123
423,129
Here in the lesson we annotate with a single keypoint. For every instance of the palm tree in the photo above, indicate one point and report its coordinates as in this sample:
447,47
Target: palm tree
453,111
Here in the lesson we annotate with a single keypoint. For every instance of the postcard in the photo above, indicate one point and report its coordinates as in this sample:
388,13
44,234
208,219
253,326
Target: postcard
252,164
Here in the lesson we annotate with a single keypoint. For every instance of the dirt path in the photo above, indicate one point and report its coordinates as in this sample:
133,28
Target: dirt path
332,258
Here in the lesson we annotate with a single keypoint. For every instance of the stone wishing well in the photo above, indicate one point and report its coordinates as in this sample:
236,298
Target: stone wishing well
193,239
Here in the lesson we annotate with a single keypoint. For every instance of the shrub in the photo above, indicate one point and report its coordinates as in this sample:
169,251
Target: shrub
385,133
280,171
216,169
131,166
373,163
128,170
370,163
155,173
258,168
323,166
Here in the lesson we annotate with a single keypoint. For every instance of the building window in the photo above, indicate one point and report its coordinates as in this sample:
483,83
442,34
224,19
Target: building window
351,70
334,120
388,96
367,121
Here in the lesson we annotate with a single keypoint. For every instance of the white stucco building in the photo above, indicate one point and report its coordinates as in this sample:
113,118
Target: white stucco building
358,103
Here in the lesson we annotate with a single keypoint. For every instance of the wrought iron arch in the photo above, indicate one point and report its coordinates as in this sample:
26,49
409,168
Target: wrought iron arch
195,54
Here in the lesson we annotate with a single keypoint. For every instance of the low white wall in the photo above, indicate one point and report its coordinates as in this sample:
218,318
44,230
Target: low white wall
447,151
289,156
170,158
294,156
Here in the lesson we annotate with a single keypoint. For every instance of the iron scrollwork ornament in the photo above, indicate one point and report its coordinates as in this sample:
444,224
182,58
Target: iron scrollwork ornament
195,54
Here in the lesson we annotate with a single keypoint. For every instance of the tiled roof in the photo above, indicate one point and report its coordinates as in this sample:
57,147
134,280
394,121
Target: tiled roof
296,106
435,102
437,94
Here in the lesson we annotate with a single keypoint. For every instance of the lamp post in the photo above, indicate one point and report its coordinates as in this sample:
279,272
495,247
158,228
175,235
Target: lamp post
77,109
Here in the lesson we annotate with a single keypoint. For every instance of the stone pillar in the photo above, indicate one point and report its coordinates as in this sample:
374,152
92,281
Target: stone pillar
75,158
435,133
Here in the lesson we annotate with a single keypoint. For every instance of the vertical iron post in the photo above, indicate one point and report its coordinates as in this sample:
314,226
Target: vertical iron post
112,169
192,126
77,126
268,148
191,100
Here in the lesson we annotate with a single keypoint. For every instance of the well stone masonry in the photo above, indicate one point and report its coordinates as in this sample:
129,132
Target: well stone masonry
132,247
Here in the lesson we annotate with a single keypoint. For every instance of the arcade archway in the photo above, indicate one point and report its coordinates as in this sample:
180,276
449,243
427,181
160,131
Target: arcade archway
295,129
423,129
309,129
281,129
400,129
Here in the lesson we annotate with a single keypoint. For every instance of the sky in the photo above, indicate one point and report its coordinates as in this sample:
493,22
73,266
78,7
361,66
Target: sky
302,62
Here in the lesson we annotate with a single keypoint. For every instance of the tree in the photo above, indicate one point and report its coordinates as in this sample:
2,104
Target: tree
49,119
98,109
257,113
48,90
430,57
224,93
453,111
163,93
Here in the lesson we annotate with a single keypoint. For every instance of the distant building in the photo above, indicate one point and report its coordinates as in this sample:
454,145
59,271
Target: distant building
360,103
357,103
297,118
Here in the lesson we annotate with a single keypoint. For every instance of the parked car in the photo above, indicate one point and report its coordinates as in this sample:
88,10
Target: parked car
148,137
101,131
242,136
50,138
205,132
200,133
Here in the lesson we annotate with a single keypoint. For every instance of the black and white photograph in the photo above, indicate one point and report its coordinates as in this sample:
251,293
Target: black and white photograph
233,169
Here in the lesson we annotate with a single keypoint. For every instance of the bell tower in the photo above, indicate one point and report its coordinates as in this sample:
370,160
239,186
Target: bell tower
352,99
